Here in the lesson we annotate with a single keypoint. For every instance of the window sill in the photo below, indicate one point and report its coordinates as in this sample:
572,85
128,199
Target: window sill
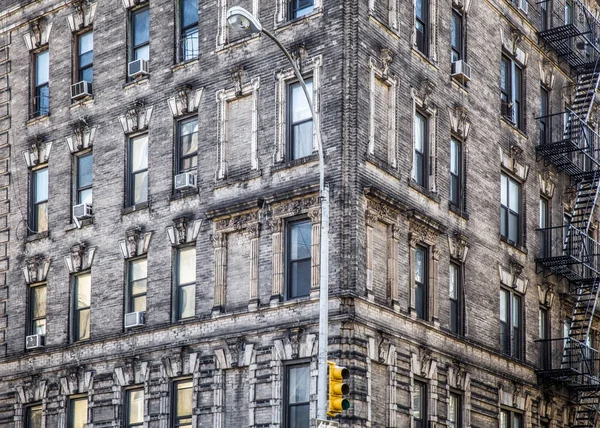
237,178
425,192
181,194
460,85
38,119
383,165
424,57
135,82
38,236
84,222
382,24
518,247
456,210
83,102
185,64
316,13
134,208
235,43
513,126
296,162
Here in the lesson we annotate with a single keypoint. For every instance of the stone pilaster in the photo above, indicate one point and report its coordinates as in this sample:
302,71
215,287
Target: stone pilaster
220,245
278,243
5,125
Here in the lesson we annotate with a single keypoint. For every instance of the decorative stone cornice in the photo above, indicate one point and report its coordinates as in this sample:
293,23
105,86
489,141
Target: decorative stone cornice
136,118
459,121
185,100
295,206
36,269
132,373
39,152
82,16
547,180
547,76
511,161
512,277
75,383
183,230
136,243
457,243
546,294
82,138
236,222
298,344
38,34
80,258
424,228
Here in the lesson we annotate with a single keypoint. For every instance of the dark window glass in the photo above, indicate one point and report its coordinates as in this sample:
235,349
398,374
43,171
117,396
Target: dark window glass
422,26
544,119
37,309
568,12
84,178
140,34
544,334
85,57
511,339
137,189
421,283
186,282
456,35
81,306
134,408
510,419
189,29
419,404
511,91
454,410
182,403
41,92
39,201
455,294
300,129
456,173
33,417
299,8
78,412
187,147
137,285
299,258
510,220
421,150
544,224
297,394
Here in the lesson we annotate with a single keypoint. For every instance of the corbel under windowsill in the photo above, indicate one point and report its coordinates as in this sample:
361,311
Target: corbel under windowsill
135,82
38,236
134,208
176,195
38,119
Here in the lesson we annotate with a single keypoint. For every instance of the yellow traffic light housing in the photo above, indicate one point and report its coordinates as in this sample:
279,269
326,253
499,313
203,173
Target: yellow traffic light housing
338,388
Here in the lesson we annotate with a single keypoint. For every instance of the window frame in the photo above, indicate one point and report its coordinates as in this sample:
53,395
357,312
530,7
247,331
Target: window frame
128,406
290,124
79,69
130,301
179,157
78,187
422,287
456,302
458,409
544,330
511,95
457,53
28,410
422,37
456,196
294,9
544,116
77,311
34,203
506,212
512,327
132,48
287,414
40,90
289,285
188,31
510,416
420,421
178,421
420,176
131,174
31,318
545,224
179,287
71,408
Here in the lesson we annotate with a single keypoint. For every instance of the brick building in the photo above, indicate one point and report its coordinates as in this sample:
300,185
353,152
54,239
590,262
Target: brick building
160,219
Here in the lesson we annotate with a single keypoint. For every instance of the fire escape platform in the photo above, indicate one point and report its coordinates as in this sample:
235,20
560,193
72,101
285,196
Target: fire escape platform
562,39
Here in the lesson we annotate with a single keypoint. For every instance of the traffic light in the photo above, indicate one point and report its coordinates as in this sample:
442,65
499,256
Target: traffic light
337,389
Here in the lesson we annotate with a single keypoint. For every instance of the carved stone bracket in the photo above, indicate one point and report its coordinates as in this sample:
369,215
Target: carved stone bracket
183,230
457,243
32,391
236,222
511,43
132,373
128,4
424,91
39,152
546,294
185,100
76,382
136,243
82,138
295,206
423,228
36,269
459,121
511,161
547,180
423,365
38,34
83,16
136,118
297,344
234,353
80,258
547,73
512,277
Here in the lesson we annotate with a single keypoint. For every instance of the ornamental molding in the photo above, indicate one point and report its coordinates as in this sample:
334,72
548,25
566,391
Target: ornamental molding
80,258
423,365
234,353
457,244
423,228
297,344
179,364
38,33
458,376
83,16
236,222
38,153
546,294
184,230
547,75
512,277
36,269
381,212
132,373
511,161
295,206
381,350
82,138
128,4
459,121
136,118
34,390
547,180
76,382
511,43
185,100
136,243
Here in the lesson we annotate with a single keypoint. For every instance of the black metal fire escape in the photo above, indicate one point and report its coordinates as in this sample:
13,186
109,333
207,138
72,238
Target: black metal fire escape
568,251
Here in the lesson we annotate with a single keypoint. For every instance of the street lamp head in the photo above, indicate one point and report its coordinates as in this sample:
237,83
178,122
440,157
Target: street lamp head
239,18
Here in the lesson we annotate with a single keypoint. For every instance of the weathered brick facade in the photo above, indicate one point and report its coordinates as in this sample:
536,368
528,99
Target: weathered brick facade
368,82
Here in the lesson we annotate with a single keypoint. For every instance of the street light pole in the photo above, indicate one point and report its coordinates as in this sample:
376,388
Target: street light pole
240,18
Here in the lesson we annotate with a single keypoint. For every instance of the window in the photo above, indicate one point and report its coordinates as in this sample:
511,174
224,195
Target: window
456,35
300,8
421,150
297,393
186,283
136,285
37,309
510,419
140,34
82,292
85,57
300,129
39,201
137,186
41,88
545,16
298,258
511,92
188,21
419,404
78,412
511,335
544,116
455,294
454,410
544,225
134,408
568,12
421,282
83,182
182,403
456,182
187,146
510,217
422,26
544,335
33,416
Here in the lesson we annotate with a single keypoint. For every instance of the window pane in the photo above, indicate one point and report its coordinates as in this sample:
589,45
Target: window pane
84,170
303,140
140,187
39,327
139,269
139,153
513,228
184,398
516,311
298,384
503,305
300,278
42,68
504,419
83,331
421,9
504,190
139,304
42,217
78,413
453,406
420,132
142,52
41,185
514,191
189,44
300,108
504,75
38,304
141,27
34,417
86,43
454,156
456,32
138,287
300,237
453,281
419,265
84,285
543,211
187,301
136,406
503,221
187,266
84,196
417,400
517,419
189,13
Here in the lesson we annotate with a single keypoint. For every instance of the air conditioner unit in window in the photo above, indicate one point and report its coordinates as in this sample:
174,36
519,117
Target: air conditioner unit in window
461,71
81,90
137,68
34,341
134,319
82,211
186,180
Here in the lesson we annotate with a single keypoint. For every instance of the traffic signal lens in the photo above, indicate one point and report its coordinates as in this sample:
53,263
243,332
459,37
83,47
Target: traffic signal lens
338,388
